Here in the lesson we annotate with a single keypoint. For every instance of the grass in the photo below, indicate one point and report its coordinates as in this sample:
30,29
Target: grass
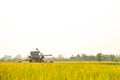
60,71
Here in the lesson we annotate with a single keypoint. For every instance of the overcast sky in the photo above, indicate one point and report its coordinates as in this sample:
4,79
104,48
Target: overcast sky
59,26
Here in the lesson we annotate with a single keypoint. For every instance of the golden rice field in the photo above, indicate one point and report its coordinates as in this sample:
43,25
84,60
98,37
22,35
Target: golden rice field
60,71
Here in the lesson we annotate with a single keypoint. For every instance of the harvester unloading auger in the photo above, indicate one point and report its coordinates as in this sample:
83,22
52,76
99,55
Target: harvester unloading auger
37,56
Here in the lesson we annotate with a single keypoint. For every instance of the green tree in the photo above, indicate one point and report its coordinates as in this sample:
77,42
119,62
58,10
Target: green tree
99,57
6,58
78,57
72,58
84,56
113,58
17,58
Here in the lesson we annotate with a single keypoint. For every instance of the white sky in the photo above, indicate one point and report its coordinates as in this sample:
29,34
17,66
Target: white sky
59,26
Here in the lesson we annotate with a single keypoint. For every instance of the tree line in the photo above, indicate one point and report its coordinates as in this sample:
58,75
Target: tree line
78,57
8,58
84,57
98,57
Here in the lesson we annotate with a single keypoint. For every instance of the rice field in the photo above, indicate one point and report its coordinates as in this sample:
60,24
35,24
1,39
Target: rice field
60,71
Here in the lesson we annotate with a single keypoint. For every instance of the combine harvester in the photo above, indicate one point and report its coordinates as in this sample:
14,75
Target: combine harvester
37,56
